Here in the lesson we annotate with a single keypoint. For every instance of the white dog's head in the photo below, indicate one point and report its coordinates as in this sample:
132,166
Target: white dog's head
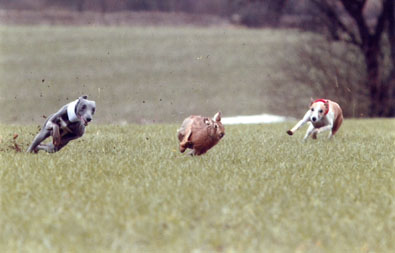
319,108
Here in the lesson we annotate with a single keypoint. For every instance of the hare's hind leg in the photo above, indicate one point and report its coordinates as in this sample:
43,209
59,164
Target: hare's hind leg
185,141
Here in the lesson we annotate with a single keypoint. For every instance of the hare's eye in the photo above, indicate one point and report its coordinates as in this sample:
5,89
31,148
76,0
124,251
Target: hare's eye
216,126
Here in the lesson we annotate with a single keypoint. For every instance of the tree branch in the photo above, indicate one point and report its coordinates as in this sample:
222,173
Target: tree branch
332,16
384,15
354,9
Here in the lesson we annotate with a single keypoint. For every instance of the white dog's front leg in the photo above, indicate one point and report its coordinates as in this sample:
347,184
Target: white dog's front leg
309,131
298,125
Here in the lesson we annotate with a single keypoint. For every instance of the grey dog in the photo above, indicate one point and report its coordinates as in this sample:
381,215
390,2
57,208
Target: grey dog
65,125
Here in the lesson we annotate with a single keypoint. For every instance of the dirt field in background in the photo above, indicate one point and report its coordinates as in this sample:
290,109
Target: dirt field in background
62,17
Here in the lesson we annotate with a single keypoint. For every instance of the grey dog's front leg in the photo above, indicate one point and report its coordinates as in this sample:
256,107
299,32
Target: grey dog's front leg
56,138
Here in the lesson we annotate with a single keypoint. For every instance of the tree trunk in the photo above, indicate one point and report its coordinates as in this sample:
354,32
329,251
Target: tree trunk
391,78
376,89
382,89
368,38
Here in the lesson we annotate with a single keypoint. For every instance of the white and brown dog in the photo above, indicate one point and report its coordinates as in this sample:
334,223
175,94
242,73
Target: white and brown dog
323,115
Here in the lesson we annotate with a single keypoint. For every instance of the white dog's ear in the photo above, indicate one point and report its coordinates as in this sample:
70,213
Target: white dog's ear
84,97
217,116
311,101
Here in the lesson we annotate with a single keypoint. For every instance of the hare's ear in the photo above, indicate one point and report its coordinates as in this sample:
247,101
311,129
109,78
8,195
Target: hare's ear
217,116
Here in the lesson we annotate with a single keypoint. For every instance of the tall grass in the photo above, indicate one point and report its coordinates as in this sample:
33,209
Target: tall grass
127,188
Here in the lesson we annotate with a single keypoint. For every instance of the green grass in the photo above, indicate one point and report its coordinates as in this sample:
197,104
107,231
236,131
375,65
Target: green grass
147,74
128,189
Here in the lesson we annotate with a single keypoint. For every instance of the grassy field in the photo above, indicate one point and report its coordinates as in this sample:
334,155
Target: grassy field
147,74
128,189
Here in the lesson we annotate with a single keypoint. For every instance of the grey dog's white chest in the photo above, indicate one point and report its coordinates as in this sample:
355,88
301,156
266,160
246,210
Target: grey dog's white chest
62,126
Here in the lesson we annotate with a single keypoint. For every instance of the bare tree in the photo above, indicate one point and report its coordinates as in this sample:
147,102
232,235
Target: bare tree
346,21
320,68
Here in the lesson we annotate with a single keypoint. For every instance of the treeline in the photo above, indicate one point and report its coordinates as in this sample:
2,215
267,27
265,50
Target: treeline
253,13
367,26
189,6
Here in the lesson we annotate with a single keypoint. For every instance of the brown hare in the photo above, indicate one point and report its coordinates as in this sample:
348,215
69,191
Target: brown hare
200,133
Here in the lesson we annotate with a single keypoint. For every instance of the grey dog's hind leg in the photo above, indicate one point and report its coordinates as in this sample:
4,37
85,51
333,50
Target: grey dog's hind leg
42,135
51,148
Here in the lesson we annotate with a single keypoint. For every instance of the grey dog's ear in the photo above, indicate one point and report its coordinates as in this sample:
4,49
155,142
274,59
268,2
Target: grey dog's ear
84,97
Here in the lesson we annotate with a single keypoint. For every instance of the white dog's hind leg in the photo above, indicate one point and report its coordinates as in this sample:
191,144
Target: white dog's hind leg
309,131
331,135
325,128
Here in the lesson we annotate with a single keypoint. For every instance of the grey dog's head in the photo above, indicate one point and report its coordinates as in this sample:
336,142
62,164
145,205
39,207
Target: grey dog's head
85,109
